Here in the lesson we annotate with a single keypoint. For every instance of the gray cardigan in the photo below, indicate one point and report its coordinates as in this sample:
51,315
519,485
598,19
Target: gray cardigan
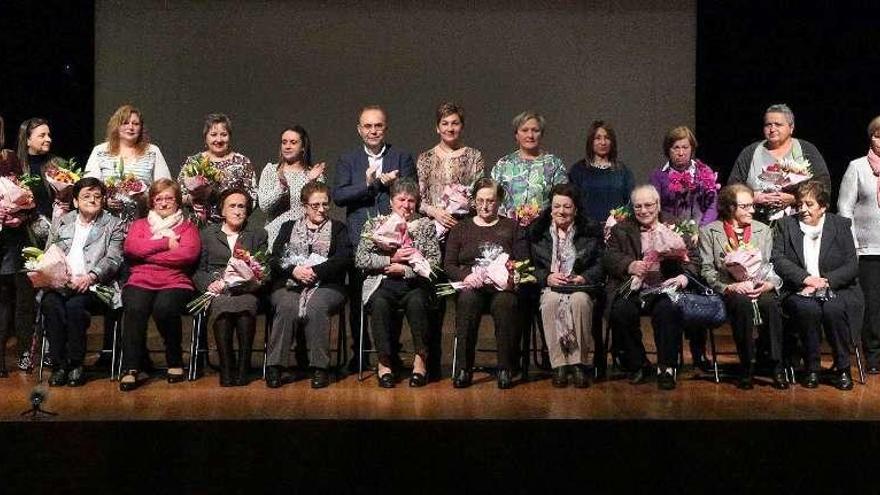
858,202
740,172
102,252
713,240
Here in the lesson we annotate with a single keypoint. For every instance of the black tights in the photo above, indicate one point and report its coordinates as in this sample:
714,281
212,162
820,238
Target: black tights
244,325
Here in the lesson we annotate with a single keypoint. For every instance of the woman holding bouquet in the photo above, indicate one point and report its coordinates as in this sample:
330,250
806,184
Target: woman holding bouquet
860,202
234,310
643,253
311,257
398,278
233,169
815,255
528,173
603,181
468,241
759,164
92,241
743,295
161,249
281,183
567,253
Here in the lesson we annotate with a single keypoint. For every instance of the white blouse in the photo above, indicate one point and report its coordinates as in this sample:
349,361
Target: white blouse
148,167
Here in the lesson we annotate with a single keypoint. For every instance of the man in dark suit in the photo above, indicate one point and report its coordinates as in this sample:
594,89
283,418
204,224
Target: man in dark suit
363,178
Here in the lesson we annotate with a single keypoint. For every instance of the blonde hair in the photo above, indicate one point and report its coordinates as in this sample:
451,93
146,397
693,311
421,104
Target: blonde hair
116,120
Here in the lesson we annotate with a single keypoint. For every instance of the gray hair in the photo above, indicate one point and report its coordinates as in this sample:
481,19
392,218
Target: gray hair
405,186
784,110
524,117
873,127
649,188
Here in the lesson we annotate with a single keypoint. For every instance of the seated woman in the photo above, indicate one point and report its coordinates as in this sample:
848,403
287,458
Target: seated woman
161,249
736,230
304,294
92,240
234,311
392,284
464,246
815,255
567,253
624,262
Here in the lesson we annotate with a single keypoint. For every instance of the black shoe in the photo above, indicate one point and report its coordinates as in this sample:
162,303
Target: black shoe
418,380
780,381
128,386
745,383
76,378
581,376
386,380
560,377
844,380
273,376
666,380
639,376
462,379
505,380
811,380
175,377
58,378
320,378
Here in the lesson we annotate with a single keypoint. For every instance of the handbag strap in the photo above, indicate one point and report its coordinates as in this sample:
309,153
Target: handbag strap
706,290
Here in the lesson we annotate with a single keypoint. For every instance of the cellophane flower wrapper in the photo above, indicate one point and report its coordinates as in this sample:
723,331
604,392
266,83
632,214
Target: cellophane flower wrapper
455,200
616,216
242,270
391,235
668,247
289,260
15,197
199,172
49,269
62,174
124,188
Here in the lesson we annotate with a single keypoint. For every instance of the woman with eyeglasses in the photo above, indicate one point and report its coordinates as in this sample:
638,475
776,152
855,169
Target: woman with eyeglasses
281,183
305,293
737,230
630,276
162,250
92,240
815,255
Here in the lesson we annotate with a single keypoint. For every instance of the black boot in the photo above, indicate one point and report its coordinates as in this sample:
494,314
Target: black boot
223,337
246,326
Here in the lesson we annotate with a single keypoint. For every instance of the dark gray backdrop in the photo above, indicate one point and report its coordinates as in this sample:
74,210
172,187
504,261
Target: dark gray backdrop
271,63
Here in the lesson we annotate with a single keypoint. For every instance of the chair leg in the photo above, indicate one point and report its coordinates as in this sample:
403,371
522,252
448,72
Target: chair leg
44,343
267,327
862,378
714,354
361,346
114,351
454,354
194,347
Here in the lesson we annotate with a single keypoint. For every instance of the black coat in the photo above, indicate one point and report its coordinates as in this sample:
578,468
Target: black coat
838,262
216,252
331,273
587,243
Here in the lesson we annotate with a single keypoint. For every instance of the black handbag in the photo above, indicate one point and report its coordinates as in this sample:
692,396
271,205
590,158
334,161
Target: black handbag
701,309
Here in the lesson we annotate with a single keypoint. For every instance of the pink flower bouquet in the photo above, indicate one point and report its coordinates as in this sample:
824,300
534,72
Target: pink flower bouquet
393,234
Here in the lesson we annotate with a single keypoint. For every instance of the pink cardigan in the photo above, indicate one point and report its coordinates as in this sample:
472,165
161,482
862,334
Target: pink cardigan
153,265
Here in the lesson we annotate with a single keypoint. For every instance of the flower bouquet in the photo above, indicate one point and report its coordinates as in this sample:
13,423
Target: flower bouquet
289,260
493,267
667,248
687,229
526,213
242,269
124,187
455,200
15,195
47,269
200,176
393,234
616,216
746,264
62,174
784,175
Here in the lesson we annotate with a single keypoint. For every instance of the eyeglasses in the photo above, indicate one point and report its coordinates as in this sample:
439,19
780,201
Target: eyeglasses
318,206
90,197
164,199
644,206
745,206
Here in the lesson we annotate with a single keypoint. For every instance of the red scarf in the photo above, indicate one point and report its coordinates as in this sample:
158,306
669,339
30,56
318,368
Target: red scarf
733,239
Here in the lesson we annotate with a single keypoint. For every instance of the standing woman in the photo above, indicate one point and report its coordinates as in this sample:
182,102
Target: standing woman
859,201
234,311
162,250
281,183
236,168
603,181
127,142
688,187
527,174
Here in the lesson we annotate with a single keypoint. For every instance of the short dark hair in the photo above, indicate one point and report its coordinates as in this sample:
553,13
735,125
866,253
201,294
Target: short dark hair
591,135
89,182
488,183
566,190
405,186
312,187
236,190
213,119
815,188
727,199
448,108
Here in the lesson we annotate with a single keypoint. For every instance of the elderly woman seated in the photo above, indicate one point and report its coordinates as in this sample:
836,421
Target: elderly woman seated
567,252
162,250
747,285
644,261
468,241
815,255
310,258
92,240
234,310
397,262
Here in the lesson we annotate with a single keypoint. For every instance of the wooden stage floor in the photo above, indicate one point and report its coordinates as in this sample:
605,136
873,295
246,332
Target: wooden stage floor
695,398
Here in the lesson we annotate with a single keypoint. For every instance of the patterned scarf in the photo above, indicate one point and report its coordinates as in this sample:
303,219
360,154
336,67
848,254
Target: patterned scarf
562,261
305,241
733,239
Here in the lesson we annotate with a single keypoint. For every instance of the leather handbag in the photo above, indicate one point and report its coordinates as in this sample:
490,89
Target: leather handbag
703,308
